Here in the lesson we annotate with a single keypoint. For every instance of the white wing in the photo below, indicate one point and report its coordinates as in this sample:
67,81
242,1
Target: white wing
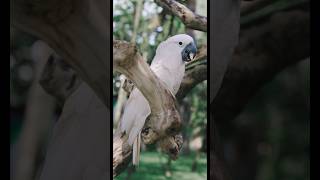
135,113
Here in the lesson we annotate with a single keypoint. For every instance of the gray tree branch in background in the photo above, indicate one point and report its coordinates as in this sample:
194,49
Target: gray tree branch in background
189,18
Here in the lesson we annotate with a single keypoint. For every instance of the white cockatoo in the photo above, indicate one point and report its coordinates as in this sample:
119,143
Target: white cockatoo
169,65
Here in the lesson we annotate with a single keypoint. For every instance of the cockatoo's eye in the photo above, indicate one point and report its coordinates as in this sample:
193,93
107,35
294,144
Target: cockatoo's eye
180,43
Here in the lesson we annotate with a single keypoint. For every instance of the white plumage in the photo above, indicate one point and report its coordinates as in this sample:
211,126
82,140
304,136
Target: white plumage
168,64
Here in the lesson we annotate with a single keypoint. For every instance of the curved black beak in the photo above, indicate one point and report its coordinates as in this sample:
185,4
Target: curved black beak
189,52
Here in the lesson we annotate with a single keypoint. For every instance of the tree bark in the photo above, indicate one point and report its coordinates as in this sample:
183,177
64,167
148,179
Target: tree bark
189,18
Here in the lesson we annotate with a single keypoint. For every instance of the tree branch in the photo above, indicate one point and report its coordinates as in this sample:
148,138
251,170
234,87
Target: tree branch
190,19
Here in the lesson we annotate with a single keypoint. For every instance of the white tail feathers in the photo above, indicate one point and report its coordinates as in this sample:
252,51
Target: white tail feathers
136,150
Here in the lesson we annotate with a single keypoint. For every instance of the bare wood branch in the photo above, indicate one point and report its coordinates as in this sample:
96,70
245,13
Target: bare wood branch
191,5
190,19
122,153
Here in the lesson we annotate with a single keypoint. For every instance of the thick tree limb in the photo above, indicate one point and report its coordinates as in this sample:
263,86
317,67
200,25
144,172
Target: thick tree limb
262,52
189,18
77,30
122,153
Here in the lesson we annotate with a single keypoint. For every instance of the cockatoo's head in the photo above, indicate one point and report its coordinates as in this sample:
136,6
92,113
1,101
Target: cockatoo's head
181,44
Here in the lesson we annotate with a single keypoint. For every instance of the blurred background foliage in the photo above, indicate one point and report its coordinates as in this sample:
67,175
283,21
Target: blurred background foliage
147,29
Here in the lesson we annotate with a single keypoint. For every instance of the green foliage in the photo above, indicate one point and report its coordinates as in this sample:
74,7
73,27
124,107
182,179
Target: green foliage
153,167
198,119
